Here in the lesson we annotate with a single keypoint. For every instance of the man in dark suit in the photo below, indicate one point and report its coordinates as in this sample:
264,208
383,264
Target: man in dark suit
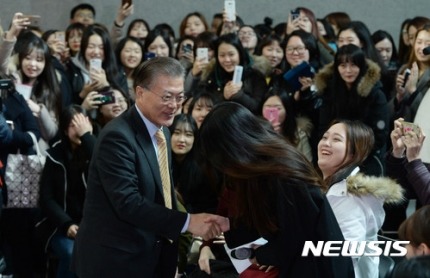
127,230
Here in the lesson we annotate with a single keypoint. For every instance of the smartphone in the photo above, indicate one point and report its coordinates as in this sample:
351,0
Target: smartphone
230,9
271,114
295,14
95,64
187,48
34,20
149,56
237,75
202,53
60,36
129,2
407,126
407,73
107,97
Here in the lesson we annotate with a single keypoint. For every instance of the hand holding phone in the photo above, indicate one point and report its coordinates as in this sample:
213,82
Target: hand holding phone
408,126
230,9
202,54
407,73
107,97
95,64
33,19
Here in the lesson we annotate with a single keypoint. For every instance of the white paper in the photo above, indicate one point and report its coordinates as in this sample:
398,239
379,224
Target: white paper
241,265
24,90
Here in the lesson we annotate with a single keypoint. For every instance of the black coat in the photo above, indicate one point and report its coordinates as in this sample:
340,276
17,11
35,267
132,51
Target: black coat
125,228
61,195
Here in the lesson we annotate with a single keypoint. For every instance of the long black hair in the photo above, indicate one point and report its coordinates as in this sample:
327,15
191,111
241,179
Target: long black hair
254,160
46,89
109,63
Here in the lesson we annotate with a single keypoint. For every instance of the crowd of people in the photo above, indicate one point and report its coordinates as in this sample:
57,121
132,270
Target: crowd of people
309,144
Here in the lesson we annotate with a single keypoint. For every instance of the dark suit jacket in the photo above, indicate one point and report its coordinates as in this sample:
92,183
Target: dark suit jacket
125,225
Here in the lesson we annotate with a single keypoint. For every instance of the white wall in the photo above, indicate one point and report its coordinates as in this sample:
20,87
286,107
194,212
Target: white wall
377,14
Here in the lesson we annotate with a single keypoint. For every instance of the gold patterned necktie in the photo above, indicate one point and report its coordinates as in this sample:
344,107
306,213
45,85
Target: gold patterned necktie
164,167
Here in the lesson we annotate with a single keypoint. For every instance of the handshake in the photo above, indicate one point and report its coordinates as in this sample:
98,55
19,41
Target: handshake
208,226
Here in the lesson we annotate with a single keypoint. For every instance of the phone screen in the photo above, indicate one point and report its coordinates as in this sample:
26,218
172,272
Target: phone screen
271,114
95,64
34,20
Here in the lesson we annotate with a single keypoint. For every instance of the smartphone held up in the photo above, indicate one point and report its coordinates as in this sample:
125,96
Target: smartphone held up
271,114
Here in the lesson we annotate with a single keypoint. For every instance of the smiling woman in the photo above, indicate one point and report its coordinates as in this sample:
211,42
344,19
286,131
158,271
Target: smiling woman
357,200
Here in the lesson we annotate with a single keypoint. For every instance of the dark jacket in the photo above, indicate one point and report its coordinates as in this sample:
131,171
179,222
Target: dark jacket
371,110
304,214
125,226
61,194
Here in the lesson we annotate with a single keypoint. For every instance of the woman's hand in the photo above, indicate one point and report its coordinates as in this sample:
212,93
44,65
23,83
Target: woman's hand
306,82
122,13
199,65
72,231
19,22
82,124
413,143
99,79
400,80
34,107
411,83
206,255
92,101
231,89
396,139
292,24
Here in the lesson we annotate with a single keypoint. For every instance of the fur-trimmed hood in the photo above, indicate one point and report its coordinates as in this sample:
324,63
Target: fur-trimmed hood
259,63
380,187
365,86
305,125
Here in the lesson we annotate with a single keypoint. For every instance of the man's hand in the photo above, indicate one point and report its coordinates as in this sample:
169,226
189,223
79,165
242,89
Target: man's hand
207,225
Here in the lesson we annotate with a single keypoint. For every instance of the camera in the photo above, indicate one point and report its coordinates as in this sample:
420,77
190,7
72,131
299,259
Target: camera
6,85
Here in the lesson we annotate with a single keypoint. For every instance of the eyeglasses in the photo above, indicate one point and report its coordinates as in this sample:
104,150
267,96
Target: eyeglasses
299,49
243,33
169,98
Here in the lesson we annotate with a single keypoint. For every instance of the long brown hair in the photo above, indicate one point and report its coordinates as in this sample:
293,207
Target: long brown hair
255,161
